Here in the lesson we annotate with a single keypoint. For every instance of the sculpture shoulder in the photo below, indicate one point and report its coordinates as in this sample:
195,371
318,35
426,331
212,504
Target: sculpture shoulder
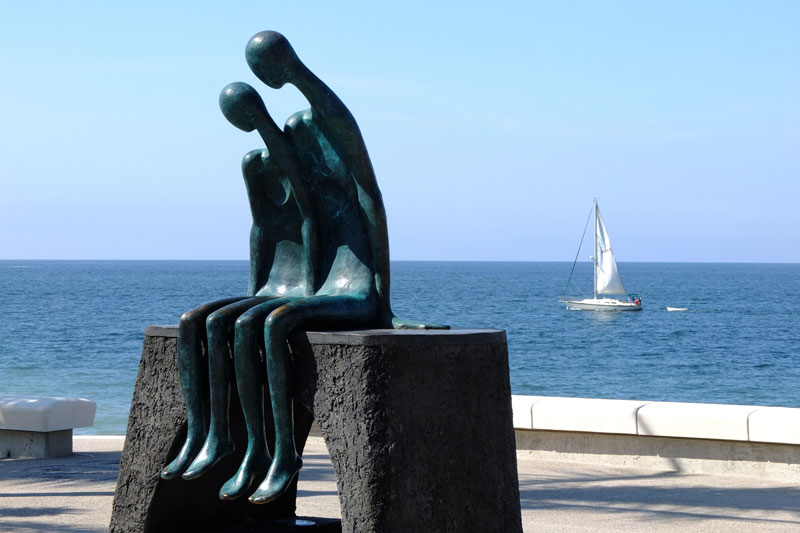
299,120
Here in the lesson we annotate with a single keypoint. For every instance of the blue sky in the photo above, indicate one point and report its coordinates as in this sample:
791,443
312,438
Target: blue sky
491,126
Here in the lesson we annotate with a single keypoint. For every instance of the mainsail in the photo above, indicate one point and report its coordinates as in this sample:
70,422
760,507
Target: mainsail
608,280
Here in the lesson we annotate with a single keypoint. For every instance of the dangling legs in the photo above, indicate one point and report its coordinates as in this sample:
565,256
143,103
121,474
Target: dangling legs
218,444
250,384
192,377
329,310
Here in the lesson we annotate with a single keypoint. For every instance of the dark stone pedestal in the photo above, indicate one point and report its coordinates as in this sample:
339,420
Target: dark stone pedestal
418,425
156,431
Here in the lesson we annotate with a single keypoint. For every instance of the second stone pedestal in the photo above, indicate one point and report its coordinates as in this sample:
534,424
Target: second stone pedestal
418,425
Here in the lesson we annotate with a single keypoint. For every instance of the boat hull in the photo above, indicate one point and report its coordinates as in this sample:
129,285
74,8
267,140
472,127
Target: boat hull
601,304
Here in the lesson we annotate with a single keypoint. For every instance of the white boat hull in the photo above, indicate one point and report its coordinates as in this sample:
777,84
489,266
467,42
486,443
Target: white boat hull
601,304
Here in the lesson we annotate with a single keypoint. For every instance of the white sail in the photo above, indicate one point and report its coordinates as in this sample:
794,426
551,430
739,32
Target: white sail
608,280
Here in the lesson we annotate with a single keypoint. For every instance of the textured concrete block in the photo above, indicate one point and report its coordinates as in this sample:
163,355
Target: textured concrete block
775,424
143,502
695,420
521,406
41,413
418,425
586,415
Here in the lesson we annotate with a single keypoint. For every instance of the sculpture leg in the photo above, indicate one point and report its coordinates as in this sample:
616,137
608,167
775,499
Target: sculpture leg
327,311
191,370
219,444
250,384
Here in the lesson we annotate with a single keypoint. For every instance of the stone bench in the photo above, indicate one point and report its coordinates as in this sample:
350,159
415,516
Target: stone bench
41,426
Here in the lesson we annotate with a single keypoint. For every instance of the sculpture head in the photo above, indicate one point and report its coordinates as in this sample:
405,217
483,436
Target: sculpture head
271,58
242,106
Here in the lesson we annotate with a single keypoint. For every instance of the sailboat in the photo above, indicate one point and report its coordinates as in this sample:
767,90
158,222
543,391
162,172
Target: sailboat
607,280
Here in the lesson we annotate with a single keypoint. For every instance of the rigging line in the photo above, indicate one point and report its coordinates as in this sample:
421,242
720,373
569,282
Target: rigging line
579,250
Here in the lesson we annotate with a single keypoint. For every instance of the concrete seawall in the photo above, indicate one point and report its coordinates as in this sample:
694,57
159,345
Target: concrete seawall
737,440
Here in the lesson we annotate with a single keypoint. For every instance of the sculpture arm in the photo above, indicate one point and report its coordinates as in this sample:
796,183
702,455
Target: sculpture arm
258,263
377,233
310,248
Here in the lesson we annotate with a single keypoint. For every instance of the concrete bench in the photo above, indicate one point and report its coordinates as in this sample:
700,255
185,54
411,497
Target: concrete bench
775,424
695,420
40,426
591,415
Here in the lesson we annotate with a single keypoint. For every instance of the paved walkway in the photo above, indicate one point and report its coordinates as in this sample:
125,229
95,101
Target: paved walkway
75,494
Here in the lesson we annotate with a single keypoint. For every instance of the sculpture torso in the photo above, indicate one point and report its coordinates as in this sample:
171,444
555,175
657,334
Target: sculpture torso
347,264
276,246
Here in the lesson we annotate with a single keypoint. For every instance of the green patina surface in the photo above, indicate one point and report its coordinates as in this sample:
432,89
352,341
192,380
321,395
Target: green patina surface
319,259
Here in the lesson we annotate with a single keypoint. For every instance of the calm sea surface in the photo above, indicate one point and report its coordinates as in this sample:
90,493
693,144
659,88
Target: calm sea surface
75,328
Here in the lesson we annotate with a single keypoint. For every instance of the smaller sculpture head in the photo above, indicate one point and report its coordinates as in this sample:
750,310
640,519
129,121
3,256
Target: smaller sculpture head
242,106
271,58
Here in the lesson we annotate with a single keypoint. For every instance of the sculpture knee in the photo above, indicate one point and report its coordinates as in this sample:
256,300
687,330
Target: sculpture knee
278,326
191,320
215,324
246,328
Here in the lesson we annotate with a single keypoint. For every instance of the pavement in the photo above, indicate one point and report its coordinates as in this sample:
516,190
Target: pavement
75,494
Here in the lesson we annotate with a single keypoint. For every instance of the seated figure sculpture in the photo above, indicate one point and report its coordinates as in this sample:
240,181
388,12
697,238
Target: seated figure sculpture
283,248
321,158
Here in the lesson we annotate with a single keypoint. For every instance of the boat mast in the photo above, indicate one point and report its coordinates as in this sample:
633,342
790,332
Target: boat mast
594,256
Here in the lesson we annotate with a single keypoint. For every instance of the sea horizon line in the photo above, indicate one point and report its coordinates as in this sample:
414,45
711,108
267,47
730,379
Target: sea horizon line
166,260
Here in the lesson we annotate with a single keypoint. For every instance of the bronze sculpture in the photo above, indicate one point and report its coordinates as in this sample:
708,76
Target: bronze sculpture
319,260
282,266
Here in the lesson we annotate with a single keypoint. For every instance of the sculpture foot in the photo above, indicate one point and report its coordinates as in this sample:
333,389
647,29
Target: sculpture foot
253,466
279,478
182,461
213,451
404,323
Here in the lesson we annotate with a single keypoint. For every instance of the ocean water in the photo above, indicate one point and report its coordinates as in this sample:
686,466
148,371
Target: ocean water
75,328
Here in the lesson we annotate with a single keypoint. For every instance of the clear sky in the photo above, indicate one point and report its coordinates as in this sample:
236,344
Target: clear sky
491,125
